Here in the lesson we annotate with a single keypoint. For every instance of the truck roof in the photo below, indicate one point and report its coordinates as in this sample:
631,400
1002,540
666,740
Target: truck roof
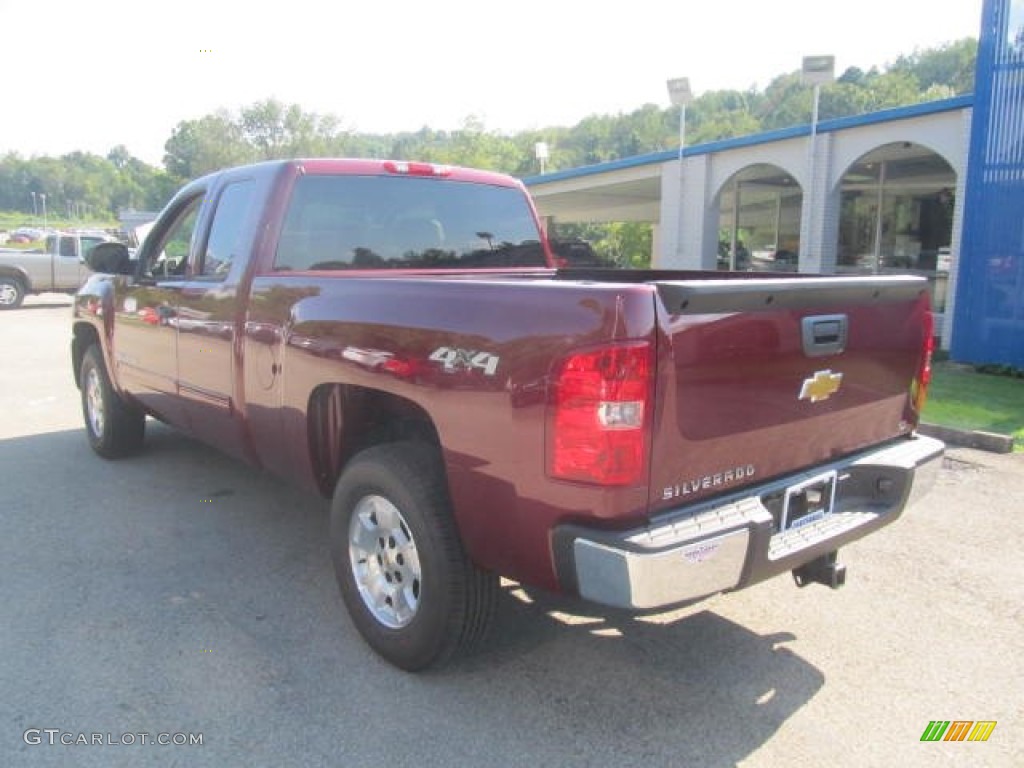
363,166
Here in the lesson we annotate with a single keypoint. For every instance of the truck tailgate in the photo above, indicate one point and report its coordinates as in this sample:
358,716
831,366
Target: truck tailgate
762,377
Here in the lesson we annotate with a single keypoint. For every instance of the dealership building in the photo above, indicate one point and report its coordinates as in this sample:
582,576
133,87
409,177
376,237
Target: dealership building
933,189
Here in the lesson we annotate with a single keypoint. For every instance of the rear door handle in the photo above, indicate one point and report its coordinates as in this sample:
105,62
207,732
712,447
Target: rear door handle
824,334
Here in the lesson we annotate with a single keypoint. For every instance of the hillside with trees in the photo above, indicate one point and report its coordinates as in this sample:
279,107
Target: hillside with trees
86,187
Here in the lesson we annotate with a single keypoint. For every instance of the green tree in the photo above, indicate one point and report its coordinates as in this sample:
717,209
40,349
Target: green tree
894,88
844,97
274,130
785,102
950,65
197,147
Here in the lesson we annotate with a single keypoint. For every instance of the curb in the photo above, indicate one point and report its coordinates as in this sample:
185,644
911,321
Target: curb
982,441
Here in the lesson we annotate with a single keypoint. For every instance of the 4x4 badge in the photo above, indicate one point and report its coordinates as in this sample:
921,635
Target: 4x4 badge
821,386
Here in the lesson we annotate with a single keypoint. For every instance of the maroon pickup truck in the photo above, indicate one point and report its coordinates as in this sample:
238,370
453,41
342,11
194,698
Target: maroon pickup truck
394,336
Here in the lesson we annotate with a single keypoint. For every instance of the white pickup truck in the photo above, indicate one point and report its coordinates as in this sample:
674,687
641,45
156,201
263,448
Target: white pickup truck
58,267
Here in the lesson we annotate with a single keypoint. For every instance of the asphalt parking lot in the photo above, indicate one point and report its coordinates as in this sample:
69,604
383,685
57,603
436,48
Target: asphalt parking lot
183,593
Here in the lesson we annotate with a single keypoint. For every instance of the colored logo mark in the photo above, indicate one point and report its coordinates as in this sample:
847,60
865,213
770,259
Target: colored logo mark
958,730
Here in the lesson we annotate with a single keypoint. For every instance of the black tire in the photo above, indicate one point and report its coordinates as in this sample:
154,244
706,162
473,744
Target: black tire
12,293
433,602
115,428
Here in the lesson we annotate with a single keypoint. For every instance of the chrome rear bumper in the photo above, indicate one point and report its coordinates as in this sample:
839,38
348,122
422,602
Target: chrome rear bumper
731,543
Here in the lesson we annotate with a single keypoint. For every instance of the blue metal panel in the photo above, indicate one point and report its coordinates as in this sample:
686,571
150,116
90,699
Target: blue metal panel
989,320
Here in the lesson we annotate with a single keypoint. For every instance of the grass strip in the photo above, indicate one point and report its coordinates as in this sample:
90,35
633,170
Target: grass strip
962,398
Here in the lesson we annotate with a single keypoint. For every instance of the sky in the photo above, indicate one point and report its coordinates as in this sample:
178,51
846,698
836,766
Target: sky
92,74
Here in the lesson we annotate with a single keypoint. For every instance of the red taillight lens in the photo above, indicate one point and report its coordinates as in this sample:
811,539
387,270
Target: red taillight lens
919,387
598,410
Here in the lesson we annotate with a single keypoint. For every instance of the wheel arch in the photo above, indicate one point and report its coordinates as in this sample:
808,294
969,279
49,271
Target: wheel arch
344,419
84,335
6,270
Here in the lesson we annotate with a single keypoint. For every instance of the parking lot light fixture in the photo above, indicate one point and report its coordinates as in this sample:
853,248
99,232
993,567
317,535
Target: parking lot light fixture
542,153
680,95
816,71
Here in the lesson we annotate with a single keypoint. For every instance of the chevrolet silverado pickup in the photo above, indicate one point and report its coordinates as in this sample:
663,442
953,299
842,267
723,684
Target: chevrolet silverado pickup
396,336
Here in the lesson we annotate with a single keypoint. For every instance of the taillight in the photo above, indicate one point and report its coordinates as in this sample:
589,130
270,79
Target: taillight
598,409
919,387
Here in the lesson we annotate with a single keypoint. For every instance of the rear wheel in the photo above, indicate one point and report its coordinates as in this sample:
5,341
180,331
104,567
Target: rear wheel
115,428
410,589
12,293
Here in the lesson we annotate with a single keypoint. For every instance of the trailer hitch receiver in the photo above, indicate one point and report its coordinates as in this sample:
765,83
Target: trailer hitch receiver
822,570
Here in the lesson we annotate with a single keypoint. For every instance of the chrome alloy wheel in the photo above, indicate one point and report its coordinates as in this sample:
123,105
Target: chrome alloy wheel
8,294
385,564
94,402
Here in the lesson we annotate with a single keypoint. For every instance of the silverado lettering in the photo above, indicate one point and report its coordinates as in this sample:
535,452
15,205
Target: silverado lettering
343,322
709,481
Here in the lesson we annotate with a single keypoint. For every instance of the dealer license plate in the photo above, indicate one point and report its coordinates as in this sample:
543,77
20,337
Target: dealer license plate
808,501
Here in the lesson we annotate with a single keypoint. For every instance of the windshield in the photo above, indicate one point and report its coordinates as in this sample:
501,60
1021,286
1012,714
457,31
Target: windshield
402,222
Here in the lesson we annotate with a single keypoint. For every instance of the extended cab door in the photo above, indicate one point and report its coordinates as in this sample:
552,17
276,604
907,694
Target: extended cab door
146,343
207,312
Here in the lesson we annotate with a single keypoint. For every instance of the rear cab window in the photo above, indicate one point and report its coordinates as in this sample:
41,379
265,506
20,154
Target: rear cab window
226,242
396,222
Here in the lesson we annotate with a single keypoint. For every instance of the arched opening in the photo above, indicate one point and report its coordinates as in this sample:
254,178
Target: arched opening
759,221
896,215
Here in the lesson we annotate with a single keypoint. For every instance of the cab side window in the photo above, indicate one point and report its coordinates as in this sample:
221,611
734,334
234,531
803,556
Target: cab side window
169,255
226,241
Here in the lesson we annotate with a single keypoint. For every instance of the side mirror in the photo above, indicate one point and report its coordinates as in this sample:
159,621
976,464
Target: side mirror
110,258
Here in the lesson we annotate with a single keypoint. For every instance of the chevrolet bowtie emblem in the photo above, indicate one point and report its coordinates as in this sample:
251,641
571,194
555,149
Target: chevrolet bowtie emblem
821,386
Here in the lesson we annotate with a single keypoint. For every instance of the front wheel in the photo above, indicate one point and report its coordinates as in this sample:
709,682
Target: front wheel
114,427
12,293
410,589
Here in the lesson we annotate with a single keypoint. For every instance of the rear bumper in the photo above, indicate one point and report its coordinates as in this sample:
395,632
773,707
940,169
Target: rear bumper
731,543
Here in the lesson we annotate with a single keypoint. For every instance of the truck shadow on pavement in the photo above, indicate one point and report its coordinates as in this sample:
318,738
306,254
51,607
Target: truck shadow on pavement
208,587
689,687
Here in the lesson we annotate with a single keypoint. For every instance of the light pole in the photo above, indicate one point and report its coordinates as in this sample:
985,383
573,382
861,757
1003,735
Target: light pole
35,210
540,150
42,196
816,71
680,95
